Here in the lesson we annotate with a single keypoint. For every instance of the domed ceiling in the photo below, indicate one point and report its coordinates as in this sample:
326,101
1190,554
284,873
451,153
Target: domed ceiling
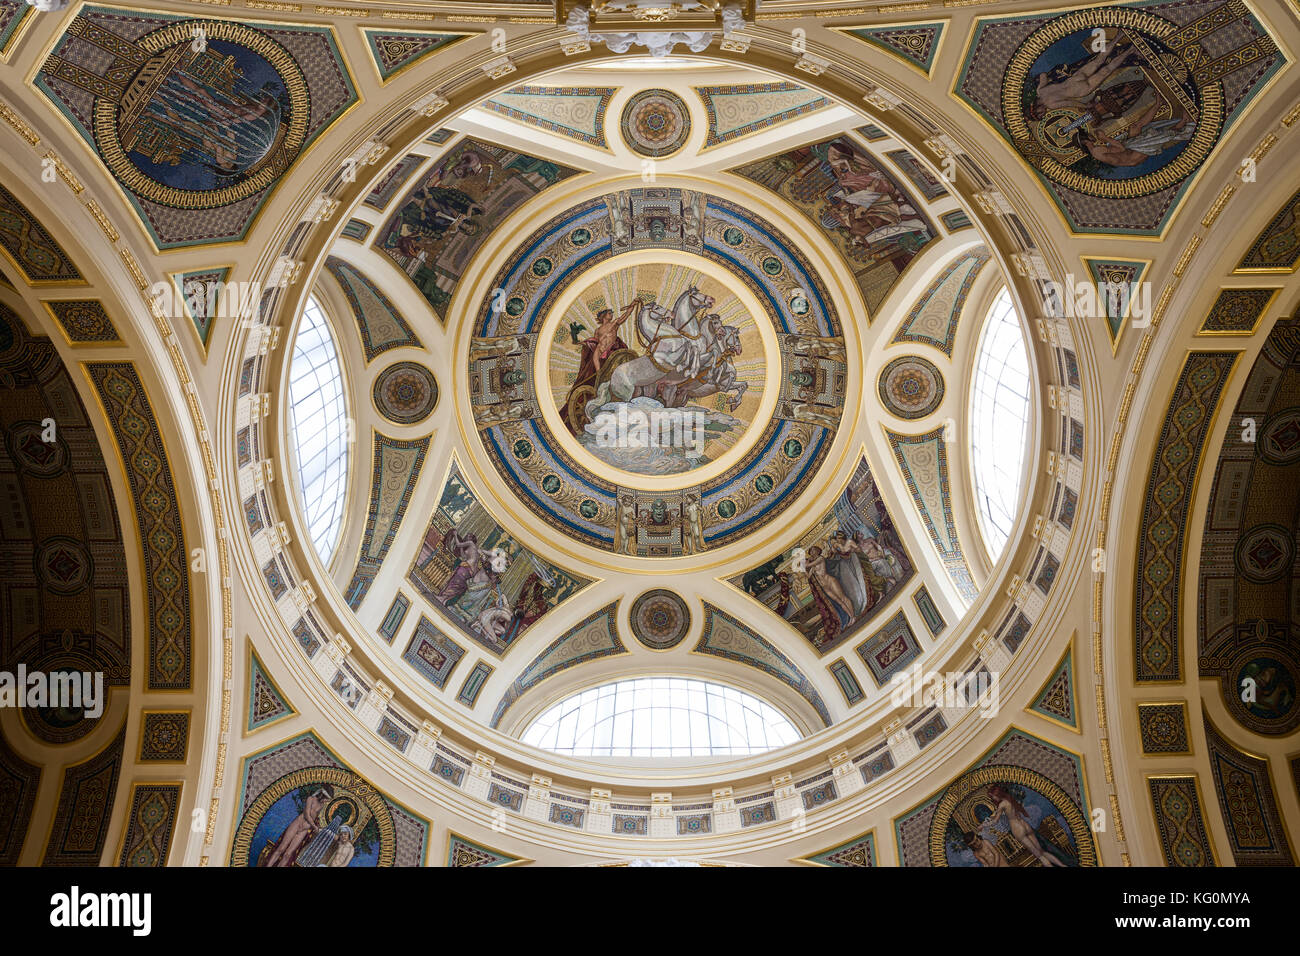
667,343
589,441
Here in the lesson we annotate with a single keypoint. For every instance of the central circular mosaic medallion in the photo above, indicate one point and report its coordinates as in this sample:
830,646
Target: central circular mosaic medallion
657,372
656,368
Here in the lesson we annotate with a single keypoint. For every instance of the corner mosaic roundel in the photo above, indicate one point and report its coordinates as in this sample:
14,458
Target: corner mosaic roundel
911,387
656,123
405,393
659,619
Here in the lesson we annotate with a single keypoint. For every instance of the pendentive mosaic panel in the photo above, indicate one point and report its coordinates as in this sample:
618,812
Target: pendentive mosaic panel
933,320
592,638
484,581
395,50
863,211
839,574
1247,573
724,636
85,809
197,135
395,469
1277,249
1117,130
432,653
380,324
923,459
388,185
1115,273
1237,311
741,109
440,223
575,112
300,805
84,321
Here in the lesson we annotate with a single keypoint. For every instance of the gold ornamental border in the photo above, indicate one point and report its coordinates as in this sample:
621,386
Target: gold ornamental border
336,776
997,773
135,180
1207,129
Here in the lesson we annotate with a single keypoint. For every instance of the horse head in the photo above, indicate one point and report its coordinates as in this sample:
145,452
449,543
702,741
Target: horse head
699,300
731,340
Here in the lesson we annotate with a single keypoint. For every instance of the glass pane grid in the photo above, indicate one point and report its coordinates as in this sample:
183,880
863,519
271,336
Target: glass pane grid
999,421
318,423
661,717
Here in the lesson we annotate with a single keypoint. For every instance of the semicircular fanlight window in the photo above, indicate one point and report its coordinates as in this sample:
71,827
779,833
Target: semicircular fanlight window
661,717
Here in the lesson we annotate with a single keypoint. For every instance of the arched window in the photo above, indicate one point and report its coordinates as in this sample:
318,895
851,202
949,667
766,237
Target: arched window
999,421
318,425
661,717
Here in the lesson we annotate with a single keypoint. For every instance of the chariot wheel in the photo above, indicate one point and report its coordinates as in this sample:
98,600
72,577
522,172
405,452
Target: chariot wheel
578,406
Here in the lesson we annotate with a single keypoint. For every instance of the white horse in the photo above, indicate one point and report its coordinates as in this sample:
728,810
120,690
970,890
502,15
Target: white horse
718,374
675,350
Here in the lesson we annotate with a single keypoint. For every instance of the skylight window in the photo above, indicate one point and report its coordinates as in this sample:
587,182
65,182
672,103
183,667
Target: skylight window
661,717
999,421
318,424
